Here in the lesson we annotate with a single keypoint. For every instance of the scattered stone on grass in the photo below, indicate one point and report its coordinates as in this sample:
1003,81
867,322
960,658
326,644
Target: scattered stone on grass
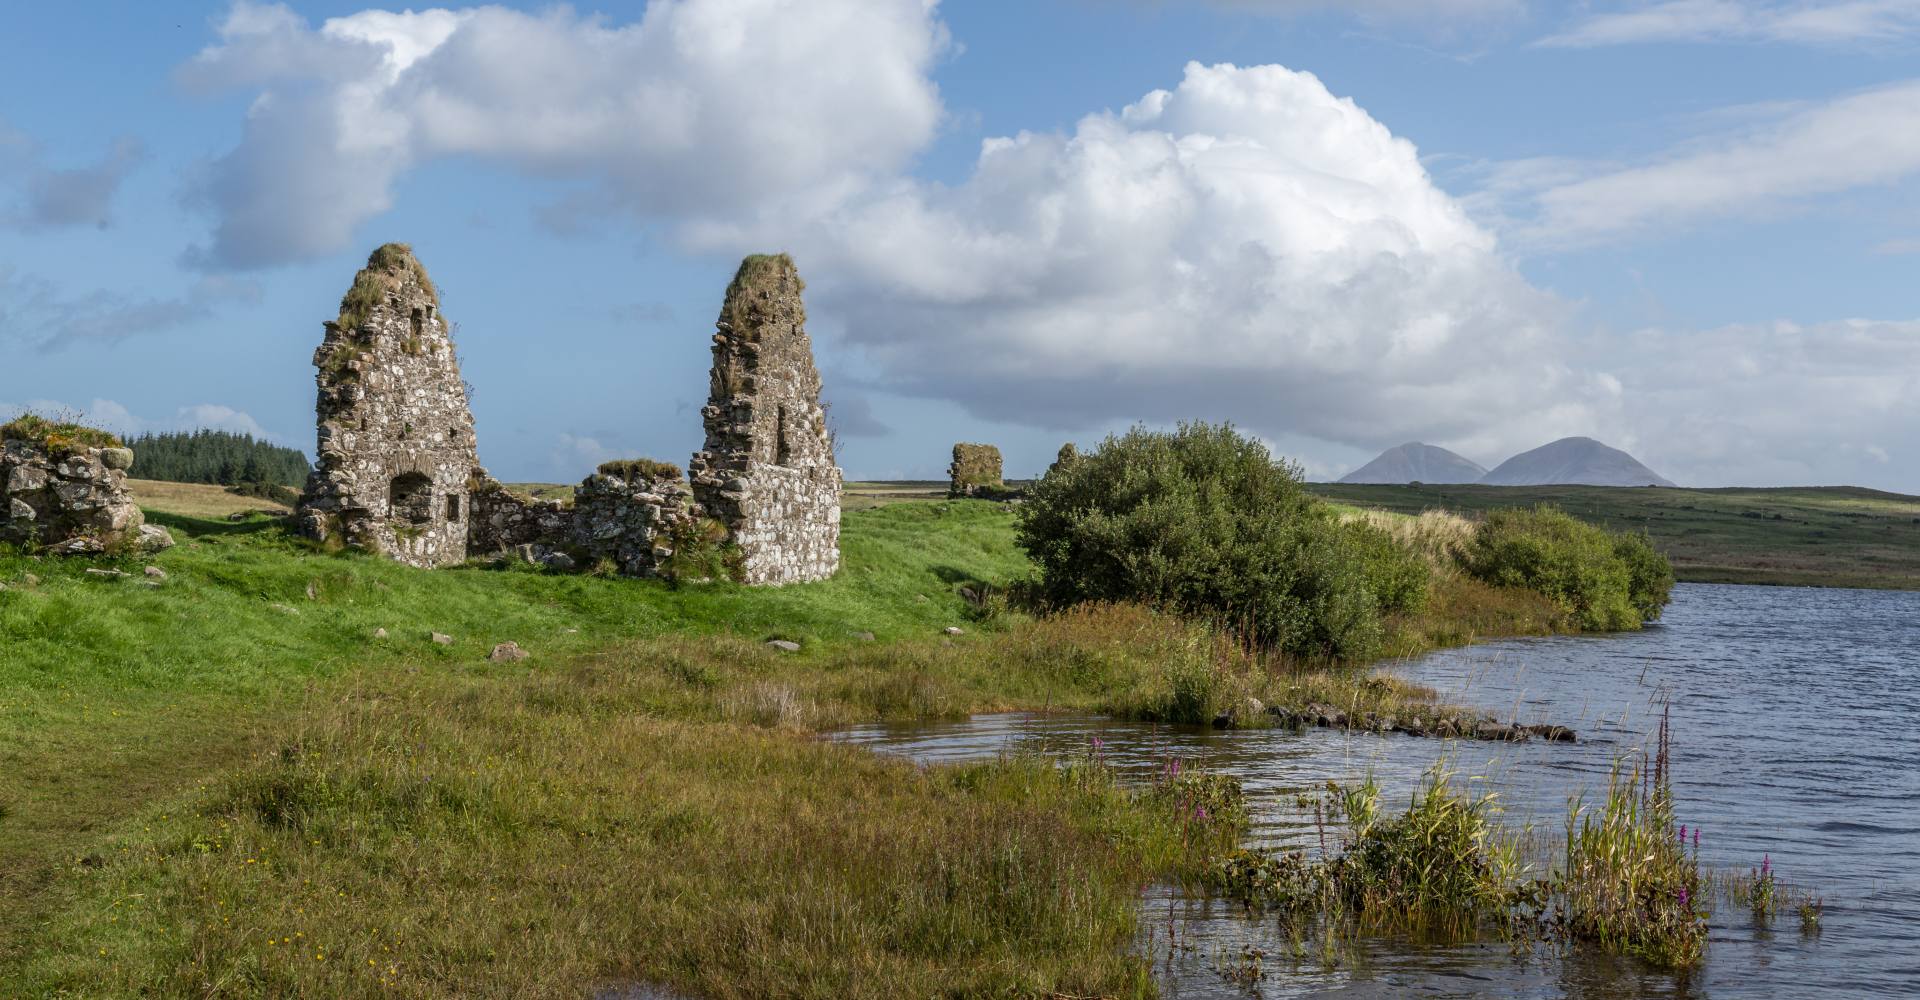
507,652
155,572
784,645
440,638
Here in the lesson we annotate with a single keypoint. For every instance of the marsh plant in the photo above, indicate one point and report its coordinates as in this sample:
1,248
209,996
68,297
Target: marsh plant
1628,881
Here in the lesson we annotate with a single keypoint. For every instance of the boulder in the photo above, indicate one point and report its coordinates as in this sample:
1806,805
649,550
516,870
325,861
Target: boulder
507,652
153,538
120,459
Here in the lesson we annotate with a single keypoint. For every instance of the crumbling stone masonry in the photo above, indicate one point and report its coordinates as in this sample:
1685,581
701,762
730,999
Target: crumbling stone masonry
767,471
975,471
71,498
628,512
396,442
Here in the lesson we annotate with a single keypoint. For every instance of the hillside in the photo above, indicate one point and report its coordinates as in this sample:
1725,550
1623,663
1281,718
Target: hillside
1414,462
1815,536
1574,460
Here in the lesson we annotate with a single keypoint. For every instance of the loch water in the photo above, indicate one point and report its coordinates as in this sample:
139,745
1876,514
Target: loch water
1795,732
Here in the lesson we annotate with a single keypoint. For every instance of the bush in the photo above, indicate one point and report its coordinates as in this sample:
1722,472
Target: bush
1204,522
1607,581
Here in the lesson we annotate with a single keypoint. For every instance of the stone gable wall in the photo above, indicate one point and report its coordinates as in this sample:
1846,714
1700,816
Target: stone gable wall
767,470
396,438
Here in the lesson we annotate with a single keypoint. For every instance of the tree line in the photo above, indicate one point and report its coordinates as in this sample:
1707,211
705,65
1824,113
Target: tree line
219,457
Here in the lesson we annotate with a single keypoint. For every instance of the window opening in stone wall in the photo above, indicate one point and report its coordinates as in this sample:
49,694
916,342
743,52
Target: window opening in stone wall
410,499
453,507
784,452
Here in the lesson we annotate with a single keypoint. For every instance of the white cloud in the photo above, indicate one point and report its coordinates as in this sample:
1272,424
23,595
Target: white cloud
1802,23
743,107
1856,141
1246,246
1775,404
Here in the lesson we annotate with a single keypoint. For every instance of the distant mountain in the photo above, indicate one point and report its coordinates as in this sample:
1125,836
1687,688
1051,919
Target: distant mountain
1574,460
1417,463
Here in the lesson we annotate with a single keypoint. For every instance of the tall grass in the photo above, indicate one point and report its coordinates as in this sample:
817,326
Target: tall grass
1445,868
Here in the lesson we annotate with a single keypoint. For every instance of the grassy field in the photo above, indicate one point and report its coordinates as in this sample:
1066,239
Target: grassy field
1824,536
224,781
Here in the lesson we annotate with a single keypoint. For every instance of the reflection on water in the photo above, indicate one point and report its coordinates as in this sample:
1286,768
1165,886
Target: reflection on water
1794,733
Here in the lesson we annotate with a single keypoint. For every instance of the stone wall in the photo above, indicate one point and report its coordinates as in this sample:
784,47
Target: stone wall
396,438
504,522
631,521
767,471
975,470
71,501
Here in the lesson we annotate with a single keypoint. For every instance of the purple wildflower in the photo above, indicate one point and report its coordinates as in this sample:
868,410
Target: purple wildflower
1684,897
1696,838
1683,835
1201,814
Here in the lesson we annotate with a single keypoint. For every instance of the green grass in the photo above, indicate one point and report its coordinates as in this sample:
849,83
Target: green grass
1811,536
230,755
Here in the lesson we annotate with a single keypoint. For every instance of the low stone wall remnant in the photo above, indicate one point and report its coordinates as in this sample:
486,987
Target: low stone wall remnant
70,499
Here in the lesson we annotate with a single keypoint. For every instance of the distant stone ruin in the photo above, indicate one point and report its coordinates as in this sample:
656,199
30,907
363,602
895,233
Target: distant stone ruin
975,472
396,440
767,471
64,488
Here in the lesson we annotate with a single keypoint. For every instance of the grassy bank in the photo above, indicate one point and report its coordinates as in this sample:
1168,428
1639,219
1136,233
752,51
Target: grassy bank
194,765
1825,537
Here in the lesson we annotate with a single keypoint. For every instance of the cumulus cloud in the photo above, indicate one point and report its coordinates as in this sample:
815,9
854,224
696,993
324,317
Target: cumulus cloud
53,197
1245,246
1802,23
1855,141
38,314
1786,403
768,108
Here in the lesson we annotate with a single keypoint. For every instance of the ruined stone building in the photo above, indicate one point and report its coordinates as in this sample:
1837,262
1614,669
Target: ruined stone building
396,442
399,471
767,471
976,471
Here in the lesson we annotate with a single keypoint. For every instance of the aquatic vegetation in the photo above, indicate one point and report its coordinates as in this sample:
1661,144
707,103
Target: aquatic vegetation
1628,880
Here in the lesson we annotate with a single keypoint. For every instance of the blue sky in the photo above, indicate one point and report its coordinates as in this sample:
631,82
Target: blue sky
1686,228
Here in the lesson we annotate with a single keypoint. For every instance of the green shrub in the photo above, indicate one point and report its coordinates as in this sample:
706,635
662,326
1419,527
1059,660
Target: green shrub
1398,575
1649,574
1606,581
1204,522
